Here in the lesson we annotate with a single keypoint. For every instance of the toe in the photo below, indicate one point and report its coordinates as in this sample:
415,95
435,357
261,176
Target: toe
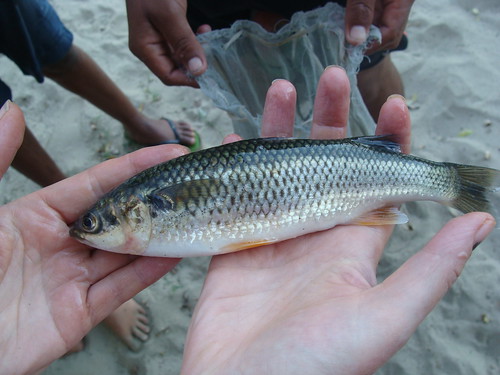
143,327
139,334
143,318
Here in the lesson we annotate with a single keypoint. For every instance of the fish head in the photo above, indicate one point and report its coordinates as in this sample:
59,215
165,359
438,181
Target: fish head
121,227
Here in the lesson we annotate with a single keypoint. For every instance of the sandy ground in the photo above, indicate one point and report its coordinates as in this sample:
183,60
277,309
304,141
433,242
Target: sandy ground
451,76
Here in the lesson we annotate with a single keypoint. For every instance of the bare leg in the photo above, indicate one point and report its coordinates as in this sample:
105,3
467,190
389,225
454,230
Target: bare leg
129,321
376,84
34,162
81,75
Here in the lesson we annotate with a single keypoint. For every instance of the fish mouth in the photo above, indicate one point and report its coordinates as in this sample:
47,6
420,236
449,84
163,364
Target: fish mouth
79,236
73,232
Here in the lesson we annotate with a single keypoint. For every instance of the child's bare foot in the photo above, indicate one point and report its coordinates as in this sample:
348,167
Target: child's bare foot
129,322
151,132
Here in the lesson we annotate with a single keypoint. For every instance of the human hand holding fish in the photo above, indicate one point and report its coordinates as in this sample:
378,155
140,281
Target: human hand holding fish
312,305
53,290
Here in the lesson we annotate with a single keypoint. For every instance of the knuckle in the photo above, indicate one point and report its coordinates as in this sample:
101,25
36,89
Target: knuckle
362,11
182,47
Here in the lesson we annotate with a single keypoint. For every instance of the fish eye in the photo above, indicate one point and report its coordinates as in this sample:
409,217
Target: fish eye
90,223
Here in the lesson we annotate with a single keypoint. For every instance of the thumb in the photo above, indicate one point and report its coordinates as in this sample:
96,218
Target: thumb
11,133
358,18
186,50
417,286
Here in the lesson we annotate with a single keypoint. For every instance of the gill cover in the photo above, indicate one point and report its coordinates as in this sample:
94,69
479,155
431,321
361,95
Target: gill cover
136,225
121,228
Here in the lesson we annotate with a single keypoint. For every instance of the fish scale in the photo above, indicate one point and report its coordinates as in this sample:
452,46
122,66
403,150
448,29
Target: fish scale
260,191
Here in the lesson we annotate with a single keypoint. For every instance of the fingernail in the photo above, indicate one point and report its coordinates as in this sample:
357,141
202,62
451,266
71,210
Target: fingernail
5,108
286,88
358,35
396,96
483,231
195,66
335,66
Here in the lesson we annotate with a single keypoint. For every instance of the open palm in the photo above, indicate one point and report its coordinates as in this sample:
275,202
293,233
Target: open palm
53,289
312,304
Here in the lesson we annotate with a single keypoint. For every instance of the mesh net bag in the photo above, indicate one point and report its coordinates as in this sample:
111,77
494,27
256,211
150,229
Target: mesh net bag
244,59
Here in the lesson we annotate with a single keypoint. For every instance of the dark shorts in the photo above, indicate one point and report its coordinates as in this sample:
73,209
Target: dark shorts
32,35
223,13
5,93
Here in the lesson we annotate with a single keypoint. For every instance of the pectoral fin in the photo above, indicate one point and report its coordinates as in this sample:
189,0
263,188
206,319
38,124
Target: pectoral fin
382,216
168,197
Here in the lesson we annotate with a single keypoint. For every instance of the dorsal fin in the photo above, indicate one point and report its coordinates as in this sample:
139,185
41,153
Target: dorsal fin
385,142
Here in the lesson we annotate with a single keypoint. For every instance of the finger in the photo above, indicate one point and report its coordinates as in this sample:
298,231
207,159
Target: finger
394,119
202,29
358,18
106,295
147,42
279,110
331,106
415,288
71,196
12,127
391,21
186,50
231,138
390,39
176,76
102,263
157,58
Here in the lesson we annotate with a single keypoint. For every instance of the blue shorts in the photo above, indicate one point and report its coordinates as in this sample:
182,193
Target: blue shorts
32,35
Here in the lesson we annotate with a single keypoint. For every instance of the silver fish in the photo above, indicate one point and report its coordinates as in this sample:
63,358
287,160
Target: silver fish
261,191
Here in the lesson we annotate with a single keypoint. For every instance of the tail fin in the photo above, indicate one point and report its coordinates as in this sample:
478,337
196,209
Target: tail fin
475,186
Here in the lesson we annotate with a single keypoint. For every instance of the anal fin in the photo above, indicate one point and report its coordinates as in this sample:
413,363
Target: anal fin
245,245
382,216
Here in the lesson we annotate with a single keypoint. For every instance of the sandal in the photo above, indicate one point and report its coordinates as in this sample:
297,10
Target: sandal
194,147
